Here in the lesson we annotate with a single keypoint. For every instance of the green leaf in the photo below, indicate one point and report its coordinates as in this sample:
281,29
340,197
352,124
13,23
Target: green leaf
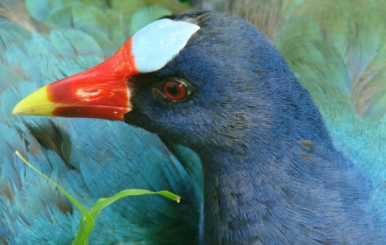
86,223
104,202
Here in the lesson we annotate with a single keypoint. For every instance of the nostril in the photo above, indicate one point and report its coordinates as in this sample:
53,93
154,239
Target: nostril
88,92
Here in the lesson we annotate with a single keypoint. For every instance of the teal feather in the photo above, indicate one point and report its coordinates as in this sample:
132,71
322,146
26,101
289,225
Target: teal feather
146,15
78,155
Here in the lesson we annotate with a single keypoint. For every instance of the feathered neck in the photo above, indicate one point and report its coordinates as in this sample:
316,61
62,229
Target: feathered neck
284,183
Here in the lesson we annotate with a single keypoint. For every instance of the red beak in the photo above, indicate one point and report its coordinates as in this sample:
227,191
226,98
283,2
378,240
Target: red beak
100,92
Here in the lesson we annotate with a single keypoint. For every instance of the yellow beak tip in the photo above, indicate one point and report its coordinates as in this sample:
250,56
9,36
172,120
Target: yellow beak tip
36,103
19,110
15,111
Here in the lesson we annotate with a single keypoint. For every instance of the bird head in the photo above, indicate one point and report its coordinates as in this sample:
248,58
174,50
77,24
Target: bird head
193,78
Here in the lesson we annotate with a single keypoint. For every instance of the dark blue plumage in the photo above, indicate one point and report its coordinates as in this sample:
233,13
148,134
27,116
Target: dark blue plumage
271,172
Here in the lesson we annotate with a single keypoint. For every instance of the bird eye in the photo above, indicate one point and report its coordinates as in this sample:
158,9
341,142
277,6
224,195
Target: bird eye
174,90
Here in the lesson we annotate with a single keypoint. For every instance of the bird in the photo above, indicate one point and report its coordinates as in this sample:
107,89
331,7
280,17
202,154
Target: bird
318,191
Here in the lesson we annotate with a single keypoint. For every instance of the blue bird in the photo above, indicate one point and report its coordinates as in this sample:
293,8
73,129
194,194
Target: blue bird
204,80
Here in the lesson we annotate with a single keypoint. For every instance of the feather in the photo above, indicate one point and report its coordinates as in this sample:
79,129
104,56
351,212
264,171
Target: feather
32,210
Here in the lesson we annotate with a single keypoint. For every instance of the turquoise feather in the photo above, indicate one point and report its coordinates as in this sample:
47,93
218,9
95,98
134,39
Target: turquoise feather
79,155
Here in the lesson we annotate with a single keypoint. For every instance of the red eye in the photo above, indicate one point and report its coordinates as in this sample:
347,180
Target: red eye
174,90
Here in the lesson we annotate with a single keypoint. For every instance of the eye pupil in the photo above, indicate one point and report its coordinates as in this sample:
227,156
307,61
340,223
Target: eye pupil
174,90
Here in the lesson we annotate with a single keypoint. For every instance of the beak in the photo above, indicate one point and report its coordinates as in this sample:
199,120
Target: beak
104,91
100,92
